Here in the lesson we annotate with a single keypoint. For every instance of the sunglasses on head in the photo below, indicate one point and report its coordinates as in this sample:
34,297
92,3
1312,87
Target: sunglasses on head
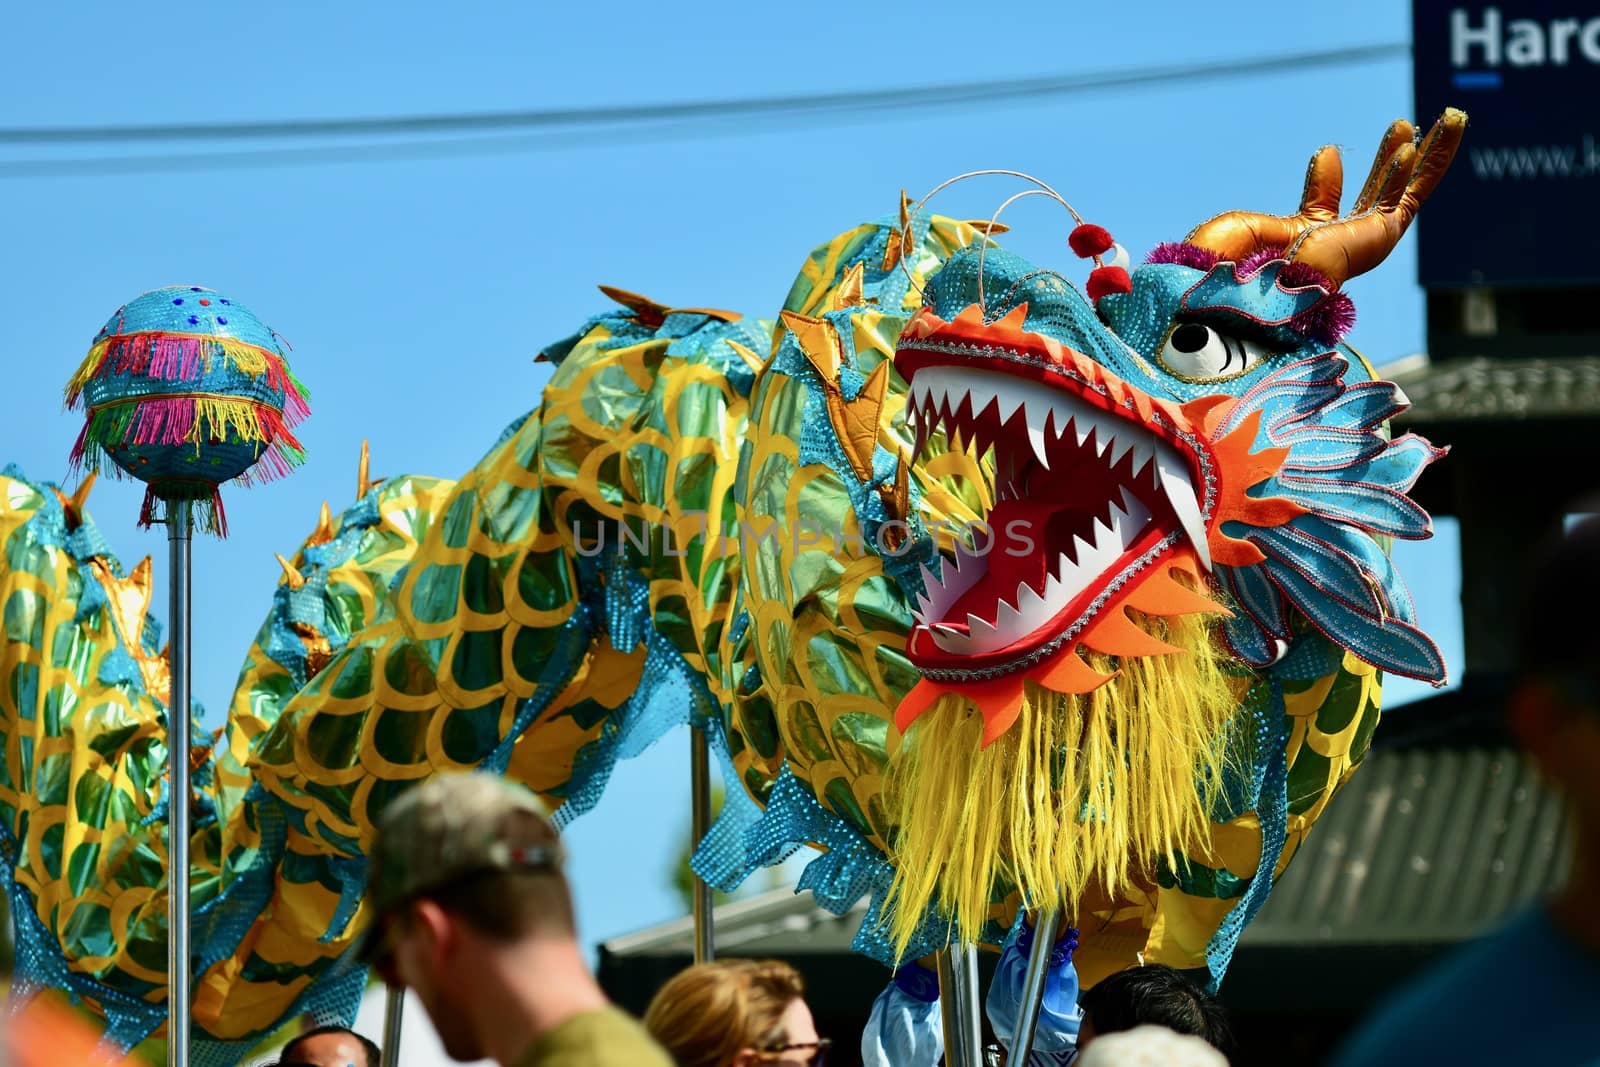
819,1054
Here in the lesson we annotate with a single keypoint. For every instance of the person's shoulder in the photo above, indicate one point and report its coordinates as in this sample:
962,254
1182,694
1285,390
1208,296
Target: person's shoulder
1442,1014
607,1037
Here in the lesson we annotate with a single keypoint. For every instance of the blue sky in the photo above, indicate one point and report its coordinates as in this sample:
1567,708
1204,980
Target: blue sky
417,292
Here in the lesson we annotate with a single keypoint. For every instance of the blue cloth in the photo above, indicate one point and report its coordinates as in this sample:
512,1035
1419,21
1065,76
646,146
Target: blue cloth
1059,1015
1526,994
905,1028
1055,1039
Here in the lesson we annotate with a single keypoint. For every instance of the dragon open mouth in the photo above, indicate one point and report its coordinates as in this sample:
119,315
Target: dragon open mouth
1086,492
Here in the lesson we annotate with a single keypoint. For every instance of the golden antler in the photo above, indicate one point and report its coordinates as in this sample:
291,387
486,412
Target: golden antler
1402,177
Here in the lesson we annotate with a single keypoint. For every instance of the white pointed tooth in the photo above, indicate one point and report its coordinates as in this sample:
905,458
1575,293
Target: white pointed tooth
1179,487
1082,427
942,594
929,581
1034,608
923,612
967,556
1071,581
985,405
980,628
1126,440
1009,624
982,391
1104,437
1144,451
1010,395
1105,538
976,440
1082,552
1036,439
1055,593
1106,549
1130,518
952,641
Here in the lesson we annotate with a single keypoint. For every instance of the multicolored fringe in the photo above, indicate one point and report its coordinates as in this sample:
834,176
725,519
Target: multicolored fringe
190,419
184,357
205,507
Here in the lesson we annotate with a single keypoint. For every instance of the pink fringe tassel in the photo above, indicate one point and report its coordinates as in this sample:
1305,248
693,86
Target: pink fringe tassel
162,422
79,448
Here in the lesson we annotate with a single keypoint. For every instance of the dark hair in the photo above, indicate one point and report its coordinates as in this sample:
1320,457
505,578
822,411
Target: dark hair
1565,577
374,1053
1159,995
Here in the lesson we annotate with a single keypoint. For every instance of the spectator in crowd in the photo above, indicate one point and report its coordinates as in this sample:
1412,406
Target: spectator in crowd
330,1046
1152,995
1151,1046
1540,974
736,1013
472,913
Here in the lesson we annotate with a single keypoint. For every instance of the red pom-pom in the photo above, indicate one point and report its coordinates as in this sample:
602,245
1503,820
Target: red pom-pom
1090,240
1104,280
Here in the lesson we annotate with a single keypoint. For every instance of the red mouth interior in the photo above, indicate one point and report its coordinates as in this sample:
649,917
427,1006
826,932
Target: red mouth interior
1044,512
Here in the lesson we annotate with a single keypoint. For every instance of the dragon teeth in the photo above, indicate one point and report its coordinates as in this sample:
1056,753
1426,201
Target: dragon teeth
973,405
1036,439
1173,475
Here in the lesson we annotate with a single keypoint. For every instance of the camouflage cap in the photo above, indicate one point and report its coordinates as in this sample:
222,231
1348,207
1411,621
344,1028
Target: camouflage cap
452,826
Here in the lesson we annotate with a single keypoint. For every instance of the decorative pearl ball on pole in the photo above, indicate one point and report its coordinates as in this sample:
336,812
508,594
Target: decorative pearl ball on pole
184,389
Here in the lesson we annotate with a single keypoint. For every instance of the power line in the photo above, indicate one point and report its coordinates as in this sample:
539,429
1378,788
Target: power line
673,120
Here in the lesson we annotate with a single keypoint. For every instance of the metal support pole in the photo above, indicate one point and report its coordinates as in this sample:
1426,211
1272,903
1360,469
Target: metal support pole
700,784
958,1001
179,528
1044,942
394,1004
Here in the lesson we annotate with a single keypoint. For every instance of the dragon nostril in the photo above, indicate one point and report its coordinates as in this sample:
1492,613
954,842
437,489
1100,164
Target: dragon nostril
1190,337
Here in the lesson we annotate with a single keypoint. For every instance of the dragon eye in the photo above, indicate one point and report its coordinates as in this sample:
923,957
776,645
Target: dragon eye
1199,353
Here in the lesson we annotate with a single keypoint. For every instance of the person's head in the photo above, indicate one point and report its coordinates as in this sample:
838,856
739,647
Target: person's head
1151,1046
1555,702
736,1013
1152,995
466,873
330,1046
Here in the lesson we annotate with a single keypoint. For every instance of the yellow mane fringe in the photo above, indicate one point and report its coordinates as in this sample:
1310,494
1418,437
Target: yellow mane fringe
1083,790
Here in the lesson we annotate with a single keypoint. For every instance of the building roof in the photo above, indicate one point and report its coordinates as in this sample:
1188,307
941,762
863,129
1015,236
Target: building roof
1484,388
1422,846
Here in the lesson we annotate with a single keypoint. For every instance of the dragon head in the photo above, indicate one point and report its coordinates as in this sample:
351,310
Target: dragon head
1189,442
1204,417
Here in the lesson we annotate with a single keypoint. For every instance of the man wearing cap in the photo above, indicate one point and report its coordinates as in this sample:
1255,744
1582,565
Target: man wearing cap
472,913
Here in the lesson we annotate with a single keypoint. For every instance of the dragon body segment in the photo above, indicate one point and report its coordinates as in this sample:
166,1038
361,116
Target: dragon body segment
766,528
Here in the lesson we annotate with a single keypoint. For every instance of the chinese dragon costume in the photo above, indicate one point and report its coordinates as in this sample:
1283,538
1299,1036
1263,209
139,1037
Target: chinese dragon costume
1002,593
